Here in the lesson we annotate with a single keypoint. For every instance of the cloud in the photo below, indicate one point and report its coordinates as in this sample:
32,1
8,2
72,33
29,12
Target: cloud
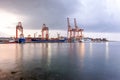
96,16
51,12
99,16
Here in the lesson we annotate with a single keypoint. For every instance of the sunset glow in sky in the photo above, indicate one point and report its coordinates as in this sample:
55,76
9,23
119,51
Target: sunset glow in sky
98,18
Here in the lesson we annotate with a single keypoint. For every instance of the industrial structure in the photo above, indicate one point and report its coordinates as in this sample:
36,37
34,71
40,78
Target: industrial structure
19,37
19,28
45,32
74,33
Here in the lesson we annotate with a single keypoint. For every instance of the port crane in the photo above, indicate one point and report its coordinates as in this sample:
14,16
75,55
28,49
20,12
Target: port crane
45,32
74,32
19,28
69,33
77,30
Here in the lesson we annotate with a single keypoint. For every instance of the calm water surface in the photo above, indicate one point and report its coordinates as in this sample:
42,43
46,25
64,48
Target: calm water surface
60,61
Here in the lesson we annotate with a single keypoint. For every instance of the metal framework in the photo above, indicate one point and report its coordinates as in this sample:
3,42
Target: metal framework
45,32
19,28
77,30
74,32
69,33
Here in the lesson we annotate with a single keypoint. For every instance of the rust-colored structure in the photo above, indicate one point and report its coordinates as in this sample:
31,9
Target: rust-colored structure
78,32
69,33
74,32
20,29
45,32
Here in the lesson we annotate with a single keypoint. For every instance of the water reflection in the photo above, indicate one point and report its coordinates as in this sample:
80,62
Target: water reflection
7,57
49,54
82,50
107,50
46,54
59,61
82,54
91,49
71,48
19,56
31,56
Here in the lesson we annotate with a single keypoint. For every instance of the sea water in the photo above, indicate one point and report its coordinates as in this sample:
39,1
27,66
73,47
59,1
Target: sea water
60,61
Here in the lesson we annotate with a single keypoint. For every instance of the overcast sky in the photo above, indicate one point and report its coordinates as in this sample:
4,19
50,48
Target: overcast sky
91,15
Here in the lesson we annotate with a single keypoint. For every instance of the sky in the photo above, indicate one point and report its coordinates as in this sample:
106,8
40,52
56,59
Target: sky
94,16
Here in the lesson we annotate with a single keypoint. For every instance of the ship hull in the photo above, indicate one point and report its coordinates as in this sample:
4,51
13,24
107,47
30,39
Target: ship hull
21,40
47,41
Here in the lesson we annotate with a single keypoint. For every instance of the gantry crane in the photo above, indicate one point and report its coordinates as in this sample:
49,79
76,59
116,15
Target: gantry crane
77,30
45,32
74,32
20,29
69,33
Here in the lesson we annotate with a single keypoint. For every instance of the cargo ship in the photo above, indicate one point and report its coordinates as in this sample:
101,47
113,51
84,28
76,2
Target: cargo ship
21,40
49,41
